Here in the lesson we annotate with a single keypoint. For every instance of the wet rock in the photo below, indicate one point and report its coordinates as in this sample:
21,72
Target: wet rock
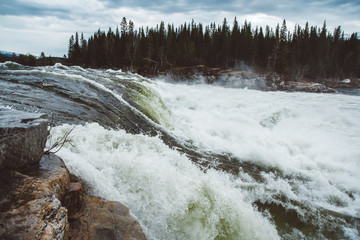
22,138
209,75
74,199
29,201
99,219
41,202
306,87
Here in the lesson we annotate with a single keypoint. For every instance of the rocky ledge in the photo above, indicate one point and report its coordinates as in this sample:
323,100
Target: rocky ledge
291,86
39,198
22,138
246,78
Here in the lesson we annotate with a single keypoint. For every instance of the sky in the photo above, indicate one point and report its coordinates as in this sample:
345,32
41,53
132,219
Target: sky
46,25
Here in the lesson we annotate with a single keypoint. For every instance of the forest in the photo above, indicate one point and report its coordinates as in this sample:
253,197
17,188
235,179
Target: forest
305,52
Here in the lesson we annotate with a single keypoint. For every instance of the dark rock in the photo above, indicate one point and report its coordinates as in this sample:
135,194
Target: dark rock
74,199
193,73
99,219
41,202
306,87
29,201
22,138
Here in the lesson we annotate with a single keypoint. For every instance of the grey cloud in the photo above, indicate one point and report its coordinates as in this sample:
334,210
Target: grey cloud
335,12
16,8
166,6
281,8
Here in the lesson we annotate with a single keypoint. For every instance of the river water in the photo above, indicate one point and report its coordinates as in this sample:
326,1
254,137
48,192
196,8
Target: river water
202,161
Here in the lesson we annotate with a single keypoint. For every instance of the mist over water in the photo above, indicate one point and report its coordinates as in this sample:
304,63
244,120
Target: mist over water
292,159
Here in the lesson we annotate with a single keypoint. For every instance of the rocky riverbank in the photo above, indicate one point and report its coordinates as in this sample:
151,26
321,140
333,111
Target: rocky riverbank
247,78
39,199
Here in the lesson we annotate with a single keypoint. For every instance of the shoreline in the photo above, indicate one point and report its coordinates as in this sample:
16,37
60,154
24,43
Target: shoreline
264,81
213,74
271,81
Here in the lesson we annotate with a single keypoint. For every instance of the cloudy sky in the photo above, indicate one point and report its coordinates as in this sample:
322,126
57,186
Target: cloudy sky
33,26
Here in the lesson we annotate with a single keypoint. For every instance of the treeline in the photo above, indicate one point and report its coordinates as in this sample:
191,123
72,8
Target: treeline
305,52
31,60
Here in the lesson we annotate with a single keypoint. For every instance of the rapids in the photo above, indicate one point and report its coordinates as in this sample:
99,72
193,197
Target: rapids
203,161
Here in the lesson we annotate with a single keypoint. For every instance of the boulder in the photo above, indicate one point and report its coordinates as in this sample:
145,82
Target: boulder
107,220
22,138
41,202
30,206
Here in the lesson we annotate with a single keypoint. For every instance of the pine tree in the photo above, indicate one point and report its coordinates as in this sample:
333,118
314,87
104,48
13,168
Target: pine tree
283,32
306,52
71,48
123,27
83,48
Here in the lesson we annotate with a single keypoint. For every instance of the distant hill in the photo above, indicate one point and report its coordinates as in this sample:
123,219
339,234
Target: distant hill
29,59
7,53
4,58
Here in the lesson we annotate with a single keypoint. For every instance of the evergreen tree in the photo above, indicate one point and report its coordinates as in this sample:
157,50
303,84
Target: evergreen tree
308,52
71,48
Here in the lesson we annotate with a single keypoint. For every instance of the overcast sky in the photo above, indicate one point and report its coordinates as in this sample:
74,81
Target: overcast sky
33,26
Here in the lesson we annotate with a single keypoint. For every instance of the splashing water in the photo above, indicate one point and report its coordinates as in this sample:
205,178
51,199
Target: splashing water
168,194
292,160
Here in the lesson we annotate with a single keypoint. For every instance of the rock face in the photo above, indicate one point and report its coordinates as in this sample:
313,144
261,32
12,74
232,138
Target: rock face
29,201
22,138
42,203
99,219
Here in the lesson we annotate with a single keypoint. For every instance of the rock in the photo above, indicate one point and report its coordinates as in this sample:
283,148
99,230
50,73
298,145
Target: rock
41,202
22,138
306,87
195,73
73,200
29,201
99,219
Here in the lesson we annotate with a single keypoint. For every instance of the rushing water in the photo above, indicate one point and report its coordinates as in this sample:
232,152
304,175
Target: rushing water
203,161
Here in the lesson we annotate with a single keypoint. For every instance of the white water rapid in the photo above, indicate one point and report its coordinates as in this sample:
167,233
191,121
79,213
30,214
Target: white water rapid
290,162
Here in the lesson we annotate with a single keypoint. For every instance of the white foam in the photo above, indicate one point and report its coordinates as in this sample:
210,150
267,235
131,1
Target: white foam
312,136
168,194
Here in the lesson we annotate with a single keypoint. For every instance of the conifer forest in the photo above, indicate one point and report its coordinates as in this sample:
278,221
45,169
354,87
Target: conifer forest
305,52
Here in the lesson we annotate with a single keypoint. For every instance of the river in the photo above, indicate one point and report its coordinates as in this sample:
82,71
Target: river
198,161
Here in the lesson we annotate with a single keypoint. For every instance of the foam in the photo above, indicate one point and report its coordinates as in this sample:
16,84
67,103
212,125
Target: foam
165,191
307,136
